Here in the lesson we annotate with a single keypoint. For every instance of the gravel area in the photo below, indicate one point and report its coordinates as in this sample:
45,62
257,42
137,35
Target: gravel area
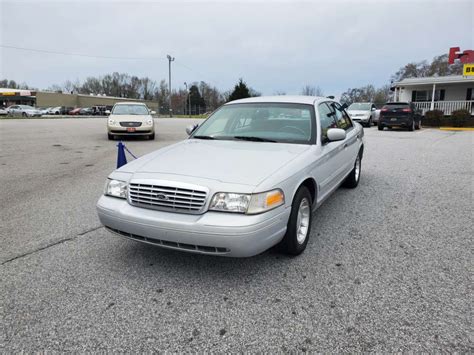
388,266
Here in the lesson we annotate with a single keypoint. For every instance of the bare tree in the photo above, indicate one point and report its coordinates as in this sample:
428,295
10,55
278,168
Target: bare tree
309,90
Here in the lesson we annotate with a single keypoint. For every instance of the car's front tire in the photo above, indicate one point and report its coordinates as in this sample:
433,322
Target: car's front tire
352,180
151,136
110,136
380,127
299,225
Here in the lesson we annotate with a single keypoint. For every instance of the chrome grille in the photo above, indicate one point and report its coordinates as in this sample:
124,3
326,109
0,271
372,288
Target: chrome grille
130,124
167,198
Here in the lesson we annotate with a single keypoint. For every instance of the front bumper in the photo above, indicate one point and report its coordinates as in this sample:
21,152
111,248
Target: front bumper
213,233
122,131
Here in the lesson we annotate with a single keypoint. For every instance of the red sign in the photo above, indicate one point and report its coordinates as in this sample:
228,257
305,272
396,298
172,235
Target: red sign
464,57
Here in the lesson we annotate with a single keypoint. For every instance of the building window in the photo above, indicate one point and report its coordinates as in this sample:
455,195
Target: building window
425,95
470,94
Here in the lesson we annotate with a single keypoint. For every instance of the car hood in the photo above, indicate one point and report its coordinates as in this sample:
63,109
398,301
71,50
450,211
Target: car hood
358,112
238,162
136,118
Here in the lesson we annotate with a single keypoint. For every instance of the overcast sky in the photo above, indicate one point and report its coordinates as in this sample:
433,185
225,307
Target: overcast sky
273,46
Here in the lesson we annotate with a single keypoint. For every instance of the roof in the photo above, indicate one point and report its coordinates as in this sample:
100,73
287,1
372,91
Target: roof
294,99
452,79
130,103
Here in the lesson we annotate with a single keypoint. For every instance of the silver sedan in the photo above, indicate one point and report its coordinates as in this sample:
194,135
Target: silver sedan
246,179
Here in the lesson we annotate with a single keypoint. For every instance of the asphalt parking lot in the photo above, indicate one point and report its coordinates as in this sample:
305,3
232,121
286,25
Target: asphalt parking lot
388,266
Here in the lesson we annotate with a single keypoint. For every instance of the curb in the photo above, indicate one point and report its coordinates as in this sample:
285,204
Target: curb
456,128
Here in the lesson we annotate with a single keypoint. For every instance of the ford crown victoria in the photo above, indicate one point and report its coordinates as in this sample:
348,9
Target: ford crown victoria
248,178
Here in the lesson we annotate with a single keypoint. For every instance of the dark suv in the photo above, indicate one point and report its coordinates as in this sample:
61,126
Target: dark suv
400,114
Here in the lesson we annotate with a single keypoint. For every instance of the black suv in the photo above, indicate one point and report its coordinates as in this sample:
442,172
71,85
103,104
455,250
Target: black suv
400,114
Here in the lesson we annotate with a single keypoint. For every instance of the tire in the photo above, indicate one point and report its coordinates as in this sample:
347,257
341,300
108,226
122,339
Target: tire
412,126
110,136
380,127
352,180
151,137
24,114
295,240
418,126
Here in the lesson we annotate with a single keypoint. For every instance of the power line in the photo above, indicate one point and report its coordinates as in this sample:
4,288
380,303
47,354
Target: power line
37,50
78,54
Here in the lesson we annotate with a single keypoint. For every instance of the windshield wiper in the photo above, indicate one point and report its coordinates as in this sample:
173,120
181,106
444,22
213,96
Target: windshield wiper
203,137
254,139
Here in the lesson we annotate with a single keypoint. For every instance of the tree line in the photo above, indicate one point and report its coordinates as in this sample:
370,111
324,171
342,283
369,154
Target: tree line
203,96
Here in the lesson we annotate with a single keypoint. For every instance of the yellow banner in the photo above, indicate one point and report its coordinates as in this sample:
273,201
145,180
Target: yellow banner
8,93
468,69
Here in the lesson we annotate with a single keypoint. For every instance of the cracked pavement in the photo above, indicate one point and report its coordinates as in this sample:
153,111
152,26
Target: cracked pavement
388,266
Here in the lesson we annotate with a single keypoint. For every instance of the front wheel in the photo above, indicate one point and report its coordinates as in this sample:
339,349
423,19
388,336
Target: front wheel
24,114
352,180
151,136
299,225
110,136
380,127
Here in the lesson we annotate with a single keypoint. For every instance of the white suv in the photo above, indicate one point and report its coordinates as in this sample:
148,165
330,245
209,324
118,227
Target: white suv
130,119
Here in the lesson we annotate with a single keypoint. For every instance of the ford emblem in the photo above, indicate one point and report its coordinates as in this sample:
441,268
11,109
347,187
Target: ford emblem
161,197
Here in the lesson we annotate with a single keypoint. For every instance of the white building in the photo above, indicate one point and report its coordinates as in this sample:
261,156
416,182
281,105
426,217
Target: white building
445,93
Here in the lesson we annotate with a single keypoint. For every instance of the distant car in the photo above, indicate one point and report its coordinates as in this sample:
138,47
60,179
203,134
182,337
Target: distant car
45,111
24,111
3,112
130,118
362,112
87,111
55,110
75,111
400,115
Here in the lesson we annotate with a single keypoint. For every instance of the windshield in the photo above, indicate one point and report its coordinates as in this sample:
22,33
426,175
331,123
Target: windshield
26,107
271,122
130,110
357,106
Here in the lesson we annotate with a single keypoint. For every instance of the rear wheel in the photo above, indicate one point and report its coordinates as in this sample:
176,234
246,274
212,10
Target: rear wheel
352,180
418,126
24,114
412,126
299,225
380,127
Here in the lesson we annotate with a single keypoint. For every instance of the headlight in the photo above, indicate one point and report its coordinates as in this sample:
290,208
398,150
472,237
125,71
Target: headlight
247,203
111,121
116,188
149,122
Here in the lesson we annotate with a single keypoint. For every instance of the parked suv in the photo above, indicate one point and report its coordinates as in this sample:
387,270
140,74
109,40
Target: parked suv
362,112
401,115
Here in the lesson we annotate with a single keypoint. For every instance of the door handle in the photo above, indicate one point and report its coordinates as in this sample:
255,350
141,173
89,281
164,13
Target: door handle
345,145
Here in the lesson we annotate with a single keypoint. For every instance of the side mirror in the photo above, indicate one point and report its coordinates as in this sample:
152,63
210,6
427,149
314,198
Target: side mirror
336,134
190,129
344,106
153,112
373,109
107,112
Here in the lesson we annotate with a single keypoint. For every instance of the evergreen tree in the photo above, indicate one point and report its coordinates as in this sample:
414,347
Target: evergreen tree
241,91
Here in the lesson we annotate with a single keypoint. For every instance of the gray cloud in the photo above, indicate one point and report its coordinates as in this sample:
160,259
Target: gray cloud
274,46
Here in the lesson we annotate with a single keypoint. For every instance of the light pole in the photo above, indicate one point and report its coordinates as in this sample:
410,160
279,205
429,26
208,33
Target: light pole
186,99
170,59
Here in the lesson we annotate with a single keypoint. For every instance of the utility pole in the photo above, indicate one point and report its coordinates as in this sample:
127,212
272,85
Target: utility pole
186,99
170,59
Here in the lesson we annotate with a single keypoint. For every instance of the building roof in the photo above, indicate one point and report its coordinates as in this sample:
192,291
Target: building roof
295,99
452,79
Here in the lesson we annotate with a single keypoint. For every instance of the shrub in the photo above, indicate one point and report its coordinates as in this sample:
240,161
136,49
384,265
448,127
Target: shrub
460,118
433,118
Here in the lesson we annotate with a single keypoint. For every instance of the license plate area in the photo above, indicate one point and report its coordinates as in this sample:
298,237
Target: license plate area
131,129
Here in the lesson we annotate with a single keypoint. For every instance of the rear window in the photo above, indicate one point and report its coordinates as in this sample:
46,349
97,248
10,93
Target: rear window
395,105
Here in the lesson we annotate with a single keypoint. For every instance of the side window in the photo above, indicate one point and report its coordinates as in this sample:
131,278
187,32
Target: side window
343,121
327,119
